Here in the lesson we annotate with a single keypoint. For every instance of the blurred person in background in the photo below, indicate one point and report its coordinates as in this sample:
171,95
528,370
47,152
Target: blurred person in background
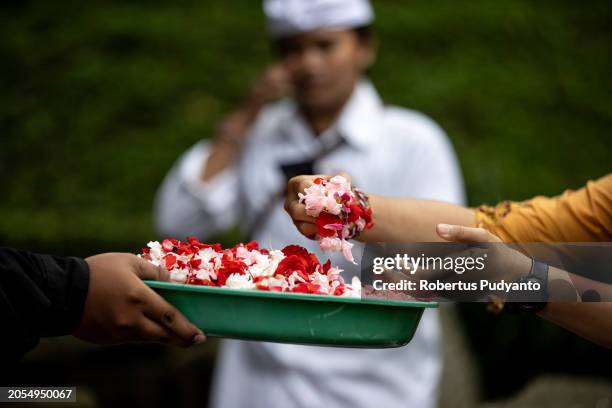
329,118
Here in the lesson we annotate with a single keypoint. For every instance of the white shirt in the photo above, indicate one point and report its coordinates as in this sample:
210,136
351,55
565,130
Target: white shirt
388,151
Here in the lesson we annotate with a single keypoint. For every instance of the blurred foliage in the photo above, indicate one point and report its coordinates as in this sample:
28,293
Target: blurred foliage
99,98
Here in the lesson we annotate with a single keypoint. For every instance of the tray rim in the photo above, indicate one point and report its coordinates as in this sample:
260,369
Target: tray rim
288,295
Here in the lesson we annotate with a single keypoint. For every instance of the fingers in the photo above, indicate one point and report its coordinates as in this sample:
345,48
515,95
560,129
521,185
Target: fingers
303,222
150,330
146,270
297,212
460,233
276,73
307,229
166,315
295,209
273,84
298,184
345,175
293,188
278,82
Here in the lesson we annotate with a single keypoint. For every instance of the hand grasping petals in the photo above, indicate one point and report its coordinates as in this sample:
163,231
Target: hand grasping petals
330,210
305,223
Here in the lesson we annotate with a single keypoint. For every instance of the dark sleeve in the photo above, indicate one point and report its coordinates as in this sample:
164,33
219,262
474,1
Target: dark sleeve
40,296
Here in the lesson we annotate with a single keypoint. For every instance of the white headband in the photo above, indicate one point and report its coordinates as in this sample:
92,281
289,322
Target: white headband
288,17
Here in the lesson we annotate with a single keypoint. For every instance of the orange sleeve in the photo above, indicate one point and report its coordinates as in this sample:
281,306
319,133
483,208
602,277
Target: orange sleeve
575,216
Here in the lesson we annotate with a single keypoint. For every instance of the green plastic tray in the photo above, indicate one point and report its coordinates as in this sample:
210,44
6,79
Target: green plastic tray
295,317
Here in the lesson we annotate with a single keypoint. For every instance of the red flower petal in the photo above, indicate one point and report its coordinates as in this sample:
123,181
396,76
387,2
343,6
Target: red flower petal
195,263
167,245
324,219
300,288
303,275
295,250
170,260
313,287
355,213
291,264
252,246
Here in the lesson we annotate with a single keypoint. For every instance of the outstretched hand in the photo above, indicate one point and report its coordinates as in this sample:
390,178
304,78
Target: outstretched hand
121,308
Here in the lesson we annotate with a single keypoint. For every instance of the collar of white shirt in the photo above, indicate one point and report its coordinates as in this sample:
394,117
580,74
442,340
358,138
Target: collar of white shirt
359,122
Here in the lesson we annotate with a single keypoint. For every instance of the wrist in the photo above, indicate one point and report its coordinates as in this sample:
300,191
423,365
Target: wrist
234,126
227,144
365,221
251,107
520,268
535,298
371,234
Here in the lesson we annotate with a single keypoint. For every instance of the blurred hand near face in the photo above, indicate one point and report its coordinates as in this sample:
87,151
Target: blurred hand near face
272,85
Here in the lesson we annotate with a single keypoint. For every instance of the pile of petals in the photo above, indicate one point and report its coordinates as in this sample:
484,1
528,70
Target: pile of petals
340,213
246,266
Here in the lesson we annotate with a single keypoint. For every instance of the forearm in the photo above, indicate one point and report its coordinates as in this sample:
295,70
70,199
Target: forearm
227,142
408,220
40,295
182,209
185,205
590,320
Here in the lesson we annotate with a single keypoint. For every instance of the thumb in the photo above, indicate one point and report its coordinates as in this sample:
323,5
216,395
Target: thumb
146,270
459,233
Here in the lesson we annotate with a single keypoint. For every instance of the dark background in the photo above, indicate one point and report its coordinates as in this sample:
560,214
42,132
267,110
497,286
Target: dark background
97,99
